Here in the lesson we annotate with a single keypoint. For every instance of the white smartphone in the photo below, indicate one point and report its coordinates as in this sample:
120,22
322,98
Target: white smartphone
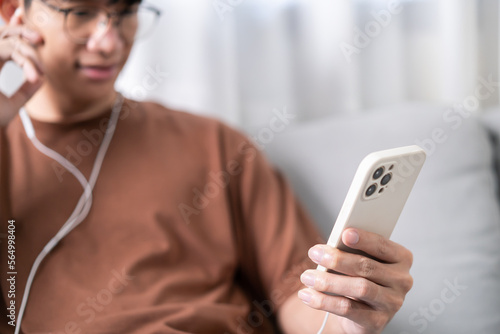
378,193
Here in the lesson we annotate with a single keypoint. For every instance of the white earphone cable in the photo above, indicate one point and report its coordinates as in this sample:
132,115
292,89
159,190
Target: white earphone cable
324,323
84,203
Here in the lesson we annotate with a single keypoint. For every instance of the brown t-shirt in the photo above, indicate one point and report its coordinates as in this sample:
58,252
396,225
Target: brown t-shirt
190,231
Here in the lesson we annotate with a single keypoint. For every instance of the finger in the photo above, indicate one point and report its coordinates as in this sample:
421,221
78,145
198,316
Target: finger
377,246
359,266
29,68
357,288
24,93
355,265
27,51
358,312
31,36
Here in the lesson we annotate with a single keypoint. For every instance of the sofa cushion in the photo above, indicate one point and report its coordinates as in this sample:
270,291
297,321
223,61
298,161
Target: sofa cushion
451,221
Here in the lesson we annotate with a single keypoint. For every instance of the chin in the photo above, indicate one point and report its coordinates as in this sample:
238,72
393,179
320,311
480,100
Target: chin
93,92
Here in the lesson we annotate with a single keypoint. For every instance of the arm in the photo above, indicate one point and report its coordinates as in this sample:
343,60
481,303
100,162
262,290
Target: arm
376,288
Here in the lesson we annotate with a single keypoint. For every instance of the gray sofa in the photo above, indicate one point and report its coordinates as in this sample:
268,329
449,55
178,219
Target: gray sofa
451,221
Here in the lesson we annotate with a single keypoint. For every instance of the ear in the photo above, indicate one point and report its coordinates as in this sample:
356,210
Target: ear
8,8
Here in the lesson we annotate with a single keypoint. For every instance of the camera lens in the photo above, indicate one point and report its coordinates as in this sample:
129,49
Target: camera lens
378,173
371,190
386,179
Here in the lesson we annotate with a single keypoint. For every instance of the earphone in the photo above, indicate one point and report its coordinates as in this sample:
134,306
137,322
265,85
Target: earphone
84,204
18,12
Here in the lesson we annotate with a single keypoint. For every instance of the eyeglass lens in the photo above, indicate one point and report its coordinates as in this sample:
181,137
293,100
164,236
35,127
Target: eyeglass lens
83,22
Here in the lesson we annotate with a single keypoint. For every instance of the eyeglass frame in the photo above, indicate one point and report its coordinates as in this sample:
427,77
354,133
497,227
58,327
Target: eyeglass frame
109,15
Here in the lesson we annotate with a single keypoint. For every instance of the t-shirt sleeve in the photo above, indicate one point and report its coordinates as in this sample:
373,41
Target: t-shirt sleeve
273,232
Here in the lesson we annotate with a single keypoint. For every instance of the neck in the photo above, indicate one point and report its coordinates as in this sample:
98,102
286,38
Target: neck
52,107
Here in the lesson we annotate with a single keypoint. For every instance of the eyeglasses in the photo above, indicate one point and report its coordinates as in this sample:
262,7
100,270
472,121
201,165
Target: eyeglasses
81,22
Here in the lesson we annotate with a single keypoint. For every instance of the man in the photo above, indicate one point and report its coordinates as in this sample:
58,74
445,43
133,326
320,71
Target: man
189,230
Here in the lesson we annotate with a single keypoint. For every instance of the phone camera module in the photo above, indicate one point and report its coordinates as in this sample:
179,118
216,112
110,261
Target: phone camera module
378,173
386,179
371,190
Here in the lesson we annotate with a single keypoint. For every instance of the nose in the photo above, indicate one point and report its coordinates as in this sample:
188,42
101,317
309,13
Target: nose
106,38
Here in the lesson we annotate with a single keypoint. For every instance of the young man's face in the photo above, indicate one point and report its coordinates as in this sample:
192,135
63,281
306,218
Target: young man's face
79,68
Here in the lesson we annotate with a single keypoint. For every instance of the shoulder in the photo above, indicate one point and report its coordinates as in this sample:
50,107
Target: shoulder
181,123
161,113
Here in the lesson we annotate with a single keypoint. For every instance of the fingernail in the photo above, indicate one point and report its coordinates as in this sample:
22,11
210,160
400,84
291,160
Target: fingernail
316,254
308,279
31,75
305,296
351,237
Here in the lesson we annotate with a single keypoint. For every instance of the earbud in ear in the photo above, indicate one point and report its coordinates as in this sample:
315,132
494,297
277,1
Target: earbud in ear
17,17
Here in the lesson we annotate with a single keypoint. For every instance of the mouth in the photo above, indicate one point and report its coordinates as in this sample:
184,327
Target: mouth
98,72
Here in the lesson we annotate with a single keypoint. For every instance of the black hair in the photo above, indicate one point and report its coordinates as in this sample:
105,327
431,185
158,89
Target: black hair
27,3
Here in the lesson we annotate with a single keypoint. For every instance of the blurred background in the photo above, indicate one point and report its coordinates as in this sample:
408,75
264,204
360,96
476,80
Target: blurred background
239,60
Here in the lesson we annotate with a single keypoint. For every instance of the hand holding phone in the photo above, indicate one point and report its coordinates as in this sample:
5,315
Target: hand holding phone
18,43
378,193
372,206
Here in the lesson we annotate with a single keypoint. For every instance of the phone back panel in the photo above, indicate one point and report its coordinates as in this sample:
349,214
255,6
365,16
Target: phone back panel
378,193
